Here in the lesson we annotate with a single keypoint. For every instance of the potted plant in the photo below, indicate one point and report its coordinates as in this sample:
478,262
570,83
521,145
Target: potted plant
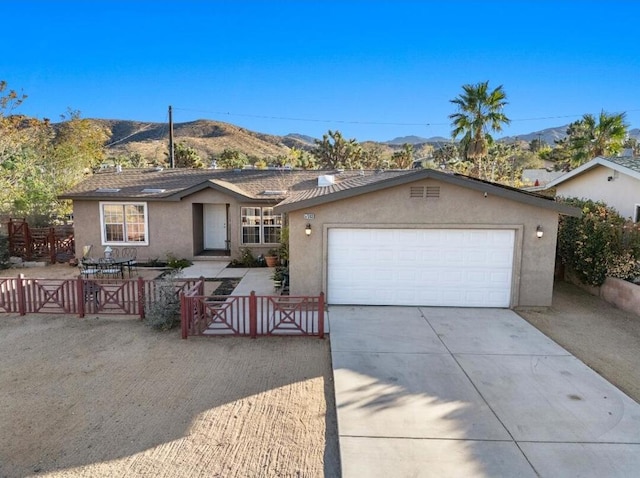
271,258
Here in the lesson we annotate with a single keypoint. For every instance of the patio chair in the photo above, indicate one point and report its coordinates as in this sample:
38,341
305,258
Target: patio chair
130,253
107,269
87,271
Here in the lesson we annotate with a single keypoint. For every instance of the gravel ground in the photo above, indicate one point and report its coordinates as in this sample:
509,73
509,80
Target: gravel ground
605,338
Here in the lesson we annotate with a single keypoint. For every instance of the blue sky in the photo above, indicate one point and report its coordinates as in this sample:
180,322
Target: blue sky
371,69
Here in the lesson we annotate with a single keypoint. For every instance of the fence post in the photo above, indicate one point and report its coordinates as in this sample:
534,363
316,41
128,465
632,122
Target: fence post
51,239
183,316
201,286
141,297
22,303
321,315
80,296
253,315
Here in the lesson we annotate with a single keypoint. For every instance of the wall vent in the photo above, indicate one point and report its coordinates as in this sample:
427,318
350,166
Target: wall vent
416,192
432,192
421,192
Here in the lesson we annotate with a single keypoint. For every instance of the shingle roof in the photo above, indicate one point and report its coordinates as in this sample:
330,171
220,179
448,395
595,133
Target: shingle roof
289,189
386,179
173,184
629,162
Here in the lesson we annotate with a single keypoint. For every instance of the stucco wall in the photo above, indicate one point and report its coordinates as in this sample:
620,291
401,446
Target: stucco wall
171,226
534,258
622,193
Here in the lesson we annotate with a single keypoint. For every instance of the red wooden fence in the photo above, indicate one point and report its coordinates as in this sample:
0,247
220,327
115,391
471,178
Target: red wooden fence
251,315
82,296
54,243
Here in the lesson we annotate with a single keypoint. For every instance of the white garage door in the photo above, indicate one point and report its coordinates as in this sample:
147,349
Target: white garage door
431,267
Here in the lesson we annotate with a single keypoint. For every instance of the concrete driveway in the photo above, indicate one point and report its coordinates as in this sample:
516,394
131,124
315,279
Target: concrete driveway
445,392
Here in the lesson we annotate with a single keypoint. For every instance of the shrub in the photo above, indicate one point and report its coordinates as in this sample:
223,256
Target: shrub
246,259
599,244
4,252
174,263
164,312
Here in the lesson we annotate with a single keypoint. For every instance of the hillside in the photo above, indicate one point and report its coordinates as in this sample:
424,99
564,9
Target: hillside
210,138
207,137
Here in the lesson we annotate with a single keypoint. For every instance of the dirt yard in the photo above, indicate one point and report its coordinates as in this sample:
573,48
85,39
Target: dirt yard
108,396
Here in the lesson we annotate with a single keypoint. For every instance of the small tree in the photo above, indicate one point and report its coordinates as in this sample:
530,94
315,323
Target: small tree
599,244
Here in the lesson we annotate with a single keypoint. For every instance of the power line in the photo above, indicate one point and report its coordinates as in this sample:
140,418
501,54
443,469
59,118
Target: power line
379,123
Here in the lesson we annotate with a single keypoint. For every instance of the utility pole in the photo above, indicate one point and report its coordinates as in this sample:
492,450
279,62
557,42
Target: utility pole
172,157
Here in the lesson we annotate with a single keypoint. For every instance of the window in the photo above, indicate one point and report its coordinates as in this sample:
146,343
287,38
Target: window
260,225
124,223
636,216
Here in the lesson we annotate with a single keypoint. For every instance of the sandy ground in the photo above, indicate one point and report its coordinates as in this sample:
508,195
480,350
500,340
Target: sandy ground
108,396
605,338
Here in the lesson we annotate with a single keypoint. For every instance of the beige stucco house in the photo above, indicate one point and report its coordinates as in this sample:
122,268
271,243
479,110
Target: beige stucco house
614,181
410,237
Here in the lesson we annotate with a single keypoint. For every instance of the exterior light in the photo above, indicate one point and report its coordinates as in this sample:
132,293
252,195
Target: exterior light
539,232
107,252
307,229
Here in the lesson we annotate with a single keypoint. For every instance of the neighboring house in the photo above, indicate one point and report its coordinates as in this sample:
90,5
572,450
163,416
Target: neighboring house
539,177
615,181
410,237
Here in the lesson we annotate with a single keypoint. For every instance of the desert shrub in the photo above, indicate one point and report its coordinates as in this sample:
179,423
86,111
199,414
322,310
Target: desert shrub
4,252
599,244
164,312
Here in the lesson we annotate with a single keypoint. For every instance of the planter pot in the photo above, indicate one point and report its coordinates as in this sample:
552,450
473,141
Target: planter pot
271,261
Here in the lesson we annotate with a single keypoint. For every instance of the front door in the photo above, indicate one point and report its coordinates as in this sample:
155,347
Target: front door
215,226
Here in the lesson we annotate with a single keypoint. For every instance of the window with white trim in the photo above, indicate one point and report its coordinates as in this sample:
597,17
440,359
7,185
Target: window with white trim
260,225
124,223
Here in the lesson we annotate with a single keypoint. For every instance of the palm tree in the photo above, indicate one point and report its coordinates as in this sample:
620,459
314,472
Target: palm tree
589,139
479,112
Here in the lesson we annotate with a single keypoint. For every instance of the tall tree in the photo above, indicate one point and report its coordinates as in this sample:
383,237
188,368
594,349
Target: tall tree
403,159
334,151
187,157
589,137
479,113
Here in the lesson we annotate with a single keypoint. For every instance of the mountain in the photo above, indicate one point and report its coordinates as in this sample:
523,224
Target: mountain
549,135
417,140
210,138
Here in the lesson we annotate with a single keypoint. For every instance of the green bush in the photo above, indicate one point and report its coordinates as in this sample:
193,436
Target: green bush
174,263
246,259
599,244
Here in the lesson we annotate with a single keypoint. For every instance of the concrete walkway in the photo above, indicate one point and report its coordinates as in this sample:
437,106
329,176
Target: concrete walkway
257,279
433,392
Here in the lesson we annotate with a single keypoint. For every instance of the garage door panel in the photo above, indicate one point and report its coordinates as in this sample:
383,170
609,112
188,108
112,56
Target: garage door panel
440,267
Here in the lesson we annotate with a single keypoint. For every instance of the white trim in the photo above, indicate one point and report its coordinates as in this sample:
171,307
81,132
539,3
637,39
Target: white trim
261,226
123,243
599,161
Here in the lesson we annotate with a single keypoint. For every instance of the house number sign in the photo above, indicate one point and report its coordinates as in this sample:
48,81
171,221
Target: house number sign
309,216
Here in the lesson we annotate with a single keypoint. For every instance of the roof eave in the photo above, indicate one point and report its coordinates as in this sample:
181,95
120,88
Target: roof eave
519,196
